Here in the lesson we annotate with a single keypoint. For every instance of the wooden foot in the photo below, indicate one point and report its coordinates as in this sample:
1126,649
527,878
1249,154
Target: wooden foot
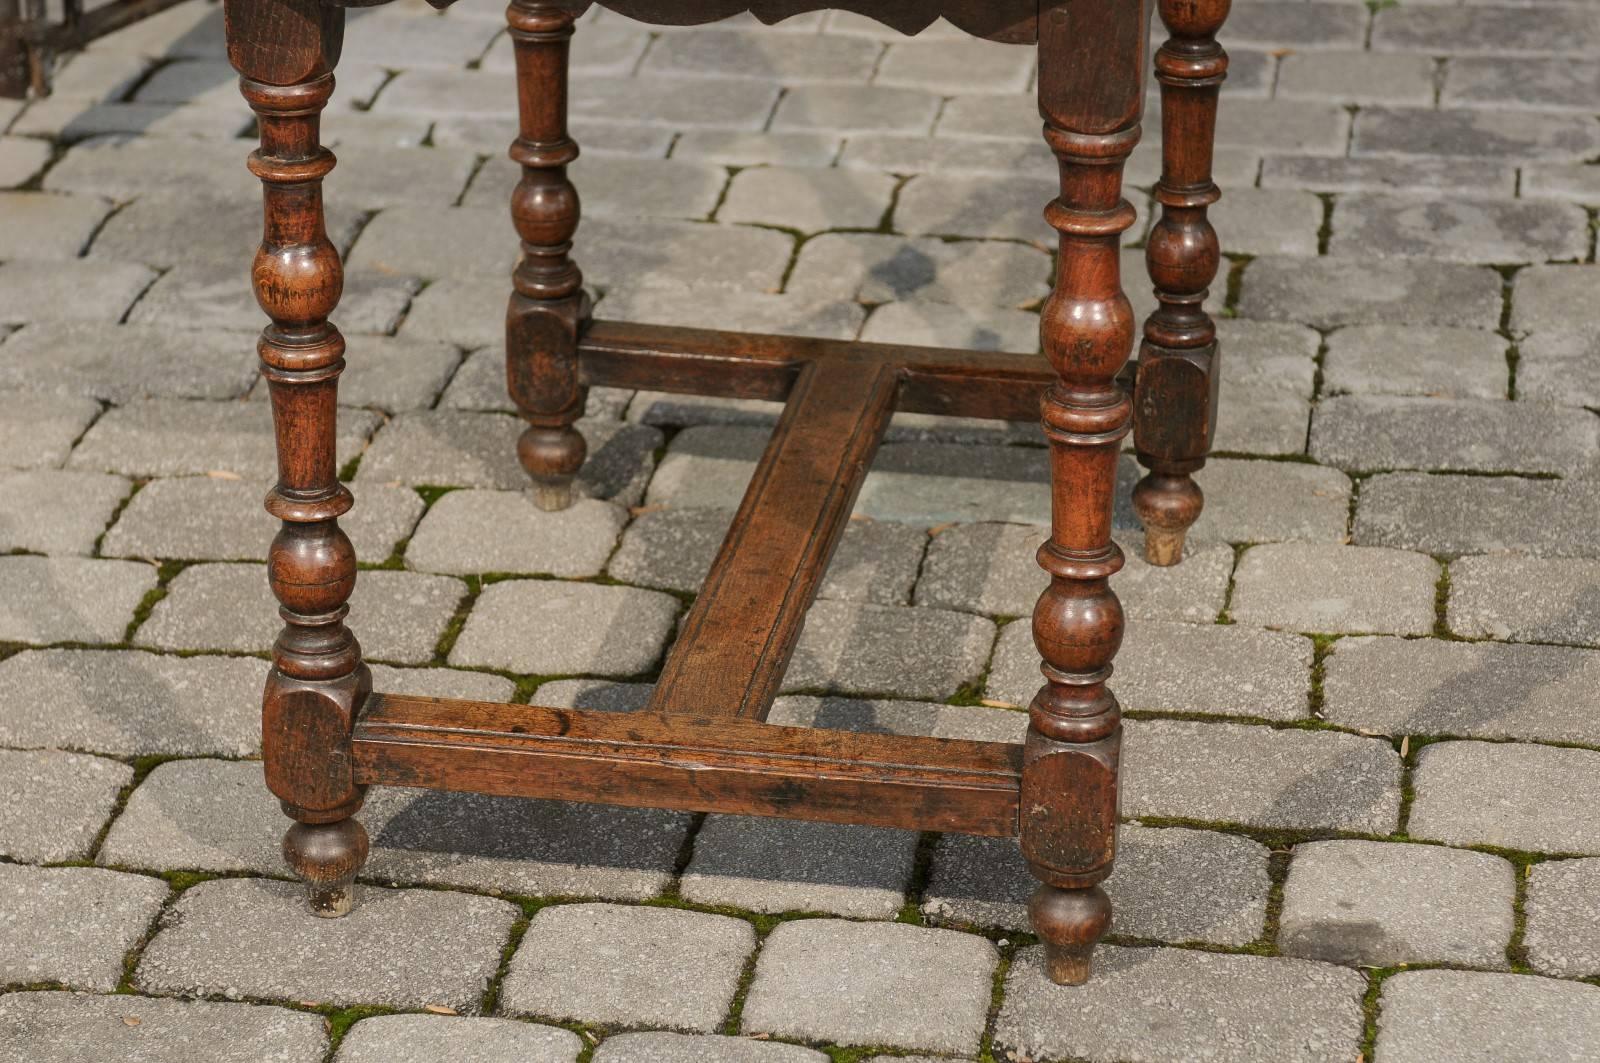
548,305
1167,507
327,857
552,457
1069,922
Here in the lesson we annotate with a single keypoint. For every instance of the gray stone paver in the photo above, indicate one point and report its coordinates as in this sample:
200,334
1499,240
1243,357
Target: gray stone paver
613,965
1373,432
70,1027
872,983
857,648
131,703
1525,599
543,627
662,1047
55,803
1379,904
985,882
51,512
426,1038
398,616
1479,1018
72,925
809,125
258,939
37,430
1563,930
1470,690
1192,1004
225,520
772,865
573,543
69,599
1335,589
1397,360
1538,797
673,549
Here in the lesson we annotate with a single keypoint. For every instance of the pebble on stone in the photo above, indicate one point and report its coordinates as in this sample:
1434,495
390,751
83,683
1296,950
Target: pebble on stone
1177,1005
399,948
71,925
1526,797
985,882
53,804
1332,589
1471,1017
545,627
129,703
73,1027
1382,904
774,865
432,1038
1563,931
639,966
1465,689
872,984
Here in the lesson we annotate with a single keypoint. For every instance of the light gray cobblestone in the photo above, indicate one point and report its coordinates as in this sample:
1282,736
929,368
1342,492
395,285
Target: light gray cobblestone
51,512
1335,589
63,1027
69,599
1399,360
872,984
542,627
1539,801
613,965
1252,1007
1477,514
72,925
253,938
55,803
1563,929
985,882
1329,292
525,539
122,363
1524,599
37,430
1378,904
1453,435
809,200
699,1048
1458,230
857,648
427,1038
131,703
1477,1018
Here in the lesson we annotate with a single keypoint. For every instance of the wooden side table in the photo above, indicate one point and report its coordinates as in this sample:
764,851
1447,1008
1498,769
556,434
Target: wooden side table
701,743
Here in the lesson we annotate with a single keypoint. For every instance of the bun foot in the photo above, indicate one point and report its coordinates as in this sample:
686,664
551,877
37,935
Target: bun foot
1070,922
327,857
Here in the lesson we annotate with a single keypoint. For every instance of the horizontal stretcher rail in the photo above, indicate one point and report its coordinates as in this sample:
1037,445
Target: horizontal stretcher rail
689,763
958,383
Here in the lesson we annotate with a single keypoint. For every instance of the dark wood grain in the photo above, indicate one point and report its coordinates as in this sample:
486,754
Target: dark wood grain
1090,93
284,51
735,644
1175,404
548,304
694,763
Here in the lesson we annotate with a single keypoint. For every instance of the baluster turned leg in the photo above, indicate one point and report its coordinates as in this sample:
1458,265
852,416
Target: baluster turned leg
1091,94
1176,397
549,305
285,51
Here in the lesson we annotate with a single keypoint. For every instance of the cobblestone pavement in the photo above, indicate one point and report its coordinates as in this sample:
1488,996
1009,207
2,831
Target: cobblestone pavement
1363,755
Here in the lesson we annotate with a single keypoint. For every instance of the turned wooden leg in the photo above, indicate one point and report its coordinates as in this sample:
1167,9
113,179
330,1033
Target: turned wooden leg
1175,400
1092,103
548,305
285,51
14,73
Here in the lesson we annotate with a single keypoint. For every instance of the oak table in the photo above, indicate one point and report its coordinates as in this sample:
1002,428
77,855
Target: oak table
701,743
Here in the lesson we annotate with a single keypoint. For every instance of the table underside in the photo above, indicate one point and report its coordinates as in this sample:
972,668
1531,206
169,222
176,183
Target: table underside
701,744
